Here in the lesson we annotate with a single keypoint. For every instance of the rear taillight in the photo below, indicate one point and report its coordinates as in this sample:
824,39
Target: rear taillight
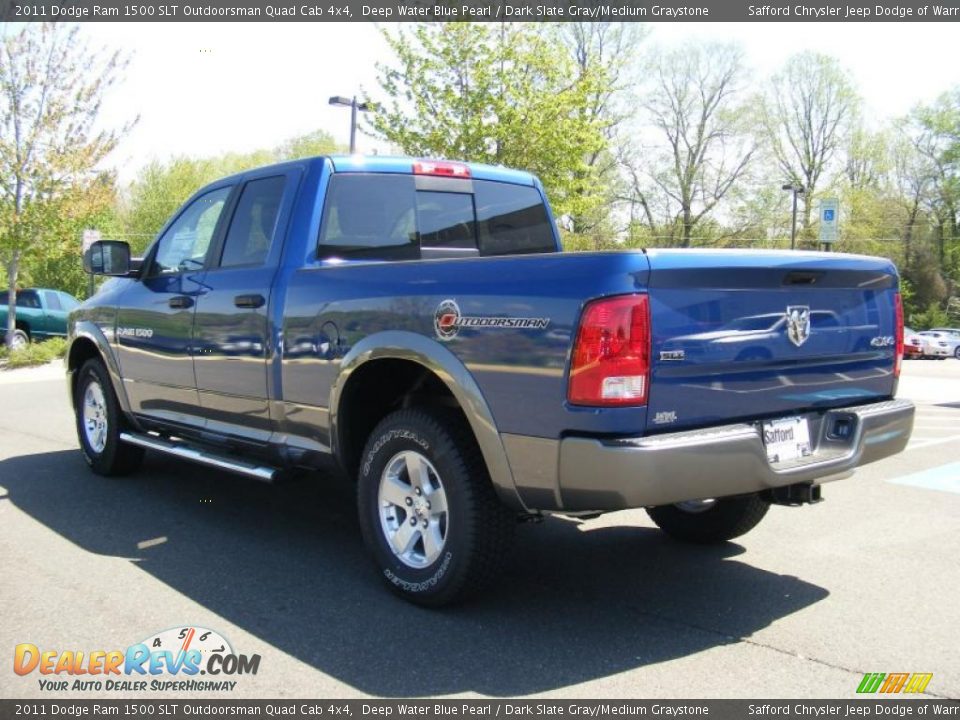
898,312
443,169
611,357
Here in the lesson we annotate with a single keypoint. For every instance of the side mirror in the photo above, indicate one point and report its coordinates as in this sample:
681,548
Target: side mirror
107,257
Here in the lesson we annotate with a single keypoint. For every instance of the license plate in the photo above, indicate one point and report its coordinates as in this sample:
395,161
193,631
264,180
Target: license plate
786,439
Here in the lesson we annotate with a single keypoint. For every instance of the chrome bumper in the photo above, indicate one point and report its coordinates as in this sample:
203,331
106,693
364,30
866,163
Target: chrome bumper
622,473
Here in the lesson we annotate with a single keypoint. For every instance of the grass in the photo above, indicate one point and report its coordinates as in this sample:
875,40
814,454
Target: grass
39,353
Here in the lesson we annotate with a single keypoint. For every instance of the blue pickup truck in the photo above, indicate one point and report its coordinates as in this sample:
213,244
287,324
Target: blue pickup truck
417,322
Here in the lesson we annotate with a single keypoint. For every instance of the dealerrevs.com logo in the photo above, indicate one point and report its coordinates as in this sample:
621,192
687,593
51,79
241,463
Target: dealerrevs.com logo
168,661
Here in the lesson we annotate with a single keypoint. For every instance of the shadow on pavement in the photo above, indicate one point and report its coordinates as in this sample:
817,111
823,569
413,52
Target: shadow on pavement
287,564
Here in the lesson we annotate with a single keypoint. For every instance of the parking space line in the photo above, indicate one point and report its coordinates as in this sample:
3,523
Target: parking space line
945,478
915,445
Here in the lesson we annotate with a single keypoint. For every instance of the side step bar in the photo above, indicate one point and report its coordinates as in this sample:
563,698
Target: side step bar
204,457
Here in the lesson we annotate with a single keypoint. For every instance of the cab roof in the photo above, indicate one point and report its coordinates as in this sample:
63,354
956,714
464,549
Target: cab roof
384,164
404,165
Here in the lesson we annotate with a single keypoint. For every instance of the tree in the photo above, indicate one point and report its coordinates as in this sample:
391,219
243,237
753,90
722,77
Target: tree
89,204
608,52
938,142
51,88
496,94
161,187
809,108
697,110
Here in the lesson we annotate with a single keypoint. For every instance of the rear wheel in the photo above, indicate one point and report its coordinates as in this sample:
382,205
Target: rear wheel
710,521
428,512
100,422
956,352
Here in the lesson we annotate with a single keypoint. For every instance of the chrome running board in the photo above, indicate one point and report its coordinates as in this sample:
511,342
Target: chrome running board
181,449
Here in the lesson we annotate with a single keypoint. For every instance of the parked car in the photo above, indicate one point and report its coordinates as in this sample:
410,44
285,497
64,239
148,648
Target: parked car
416,322
41,314
912,345
940,345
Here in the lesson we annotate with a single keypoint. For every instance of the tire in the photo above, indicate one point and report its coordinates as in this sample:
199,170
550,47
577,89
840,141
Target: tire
20,339
100,422
458,550
956,352
712,521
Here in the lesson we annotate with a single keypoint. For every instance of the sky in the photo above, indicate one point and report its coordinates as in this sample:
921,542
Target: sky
206,88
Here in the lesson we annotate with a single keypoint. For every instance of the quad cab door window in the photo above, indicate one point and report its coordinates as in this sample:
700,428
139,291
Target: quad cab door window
155,315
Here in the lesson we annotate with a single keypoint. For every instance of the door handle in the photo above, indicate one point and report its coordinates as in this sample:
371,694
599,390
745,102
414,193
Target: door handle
250,301
180,302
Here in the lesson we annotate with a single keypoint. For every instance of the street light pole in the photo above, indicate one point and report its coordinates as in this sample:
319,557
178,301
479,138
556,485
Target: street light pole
796,190
354,107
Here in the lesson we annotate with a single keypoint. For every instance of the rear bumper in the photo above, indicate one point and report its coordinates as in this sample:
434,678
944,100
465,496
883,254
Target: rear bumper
613,474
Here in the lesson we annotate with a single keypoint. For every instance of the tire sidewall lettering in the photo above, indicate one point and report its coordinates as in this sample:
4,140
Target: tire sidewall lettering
423,585
409,580
388,437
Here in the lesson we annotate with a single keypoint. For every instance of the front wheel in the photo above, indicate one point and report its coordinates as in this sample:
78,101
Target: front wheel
100,422
19,339
428,512
710,521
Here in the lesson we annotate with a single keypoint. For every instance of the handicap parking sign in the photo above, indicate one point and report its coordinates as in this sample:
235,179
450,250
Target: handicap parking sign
829,215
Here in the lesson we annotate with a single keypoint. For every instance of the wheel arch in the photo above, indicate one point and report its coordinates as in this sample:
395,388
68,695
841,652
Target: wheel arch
423,361
87,342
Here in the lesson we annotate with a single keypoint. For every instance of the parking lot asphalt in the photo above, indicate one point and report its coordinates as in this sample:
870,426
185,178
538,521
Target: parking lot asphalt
801,607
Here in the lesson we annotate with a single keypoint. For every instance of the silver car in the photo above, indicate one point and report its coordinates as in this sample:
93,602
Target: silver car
940,344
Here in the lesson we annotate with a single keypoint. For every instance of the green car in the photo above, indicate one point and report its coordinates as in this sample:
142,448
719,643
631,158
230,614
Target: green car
41,314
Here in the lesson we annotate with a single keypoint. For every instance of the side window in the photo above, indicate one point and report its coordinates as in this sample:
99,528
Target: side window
28,299
69,302
446,222
512,219
253,224
185,243
370,216
53,301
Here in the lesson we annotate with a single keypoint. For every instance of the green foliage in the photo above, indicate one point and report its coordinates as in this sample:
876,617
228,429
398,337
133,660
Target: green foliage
499,94
933,316
162,187
89,204
51,142
39,353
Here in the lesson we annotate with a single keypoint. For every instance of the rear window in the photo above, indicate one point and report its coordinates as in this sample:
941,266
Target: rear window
370,216
386,217
512,220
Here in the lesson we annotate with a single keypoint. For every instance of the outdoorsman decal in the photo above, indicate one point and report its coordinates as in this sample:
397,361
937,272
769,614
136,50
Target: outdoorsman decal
447,321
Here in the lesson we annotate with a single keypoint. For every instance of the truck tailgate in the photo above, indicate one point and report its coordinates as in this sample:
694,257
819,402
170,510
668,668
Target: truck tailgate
738,335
